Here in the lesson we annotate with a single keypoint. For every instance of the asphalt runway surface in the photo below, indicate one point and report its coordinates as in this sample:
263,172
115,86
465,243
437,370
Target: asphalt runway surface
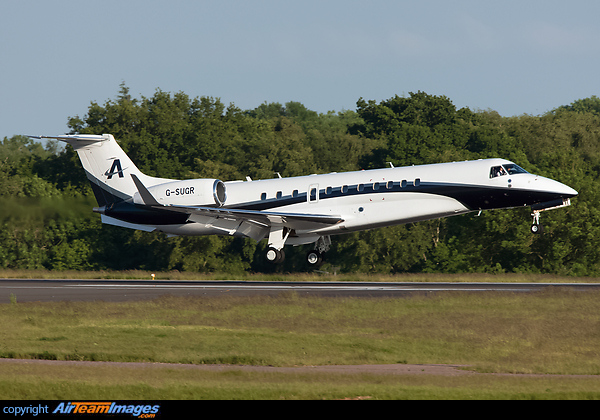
31,290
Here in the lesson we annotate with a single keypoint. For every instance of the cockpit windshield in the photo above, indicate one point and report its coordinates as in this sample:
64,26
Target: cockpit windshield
506,169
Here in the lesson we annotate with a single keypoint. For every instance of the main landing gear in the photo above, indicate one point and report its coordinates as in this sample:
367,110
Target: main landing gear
277,237
315,256
275,256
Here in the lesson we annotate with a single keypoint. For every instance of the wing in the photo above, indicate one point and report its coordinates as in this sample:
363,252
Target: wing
298,221
262,220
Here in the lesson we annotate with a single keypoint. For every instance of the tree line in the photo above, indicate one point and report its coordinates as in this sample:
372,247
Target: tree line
47,201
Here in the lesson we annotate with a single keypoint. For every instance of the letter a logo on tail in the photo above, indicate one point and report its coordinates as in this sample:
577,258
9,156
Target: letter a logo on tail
115,169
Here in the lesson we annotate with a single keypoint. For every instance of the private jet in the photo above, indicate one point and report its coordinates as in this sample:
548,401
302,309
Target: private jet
305,209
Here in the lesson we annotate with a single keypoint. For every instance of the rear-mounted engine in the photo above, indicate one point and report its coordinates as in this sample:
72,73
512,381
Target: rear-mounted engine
192,192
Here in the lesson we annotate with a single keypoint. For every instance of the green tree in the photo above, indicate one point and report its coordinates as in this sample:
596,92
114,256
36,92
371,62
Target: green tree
46,200
591,105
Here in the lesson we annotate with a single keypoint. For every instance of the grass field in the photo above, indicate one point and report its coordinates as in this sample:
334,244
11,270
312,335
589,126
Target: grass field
315,276
555,332
108,383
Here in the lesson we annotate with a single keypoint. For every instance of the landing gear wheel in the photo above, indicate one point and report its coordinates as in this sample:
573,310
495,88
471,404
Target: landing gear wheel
275,256
537,229
314,258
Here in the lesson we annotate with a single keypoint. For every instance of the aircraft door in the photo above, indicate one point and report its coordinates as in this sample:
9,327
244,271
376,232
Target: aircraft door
313,193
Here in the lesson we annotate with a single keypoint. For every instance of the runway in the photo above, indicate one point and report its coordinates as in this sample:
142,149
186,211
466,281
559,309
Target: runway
31,290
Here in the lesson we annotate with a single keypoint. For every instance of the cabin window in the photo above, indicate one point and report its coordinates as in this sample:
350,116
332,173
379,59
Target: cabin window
263,196
344,189
375,186
279,194
295,193
403,185
390,185
417,182
328,190
361,187
313,194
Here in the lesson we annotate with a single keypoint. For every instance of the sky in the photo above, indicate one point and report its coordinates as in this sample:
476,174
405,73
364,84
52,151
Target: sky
513,57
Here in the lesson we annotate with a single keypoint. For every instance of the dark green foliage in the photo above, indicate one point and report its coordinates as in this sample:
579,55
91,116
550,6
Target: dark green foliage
46,202
587,105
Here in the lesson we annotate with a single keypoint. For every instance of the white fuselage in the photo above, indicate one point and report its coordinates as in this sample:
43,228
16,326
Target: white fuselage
381,197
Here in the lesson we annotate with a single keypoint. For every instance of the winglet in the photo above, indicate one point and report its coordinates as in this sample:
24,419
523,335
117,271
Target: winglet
147,197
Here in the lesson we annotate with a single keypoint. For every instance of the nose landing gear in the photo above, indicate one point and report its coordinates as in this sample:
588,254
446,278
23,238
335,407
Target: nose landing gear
549,205
536,227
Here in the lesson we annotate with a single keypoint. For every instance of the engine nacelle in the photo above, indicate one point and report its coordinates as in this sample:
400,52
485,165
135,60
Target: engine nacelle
190,192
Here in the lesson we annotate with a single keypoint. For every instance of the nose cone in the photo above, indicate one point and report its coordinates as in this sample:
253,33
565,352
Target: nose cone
551,194
570,192
564,190
553,187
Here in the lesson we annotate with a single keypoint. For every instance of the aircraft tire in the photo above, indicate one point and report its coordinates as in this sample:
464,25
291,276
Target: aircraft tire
537,229
275,256
314,258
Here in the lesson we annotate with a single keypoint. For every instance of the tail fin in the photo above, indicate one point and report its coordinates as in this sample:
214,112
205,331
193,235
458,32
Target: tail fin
107,167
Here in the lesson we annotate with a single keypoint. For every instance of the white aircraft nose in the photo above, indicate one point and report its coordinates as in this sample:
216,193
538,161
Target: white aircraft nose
564,190
548,185
570,192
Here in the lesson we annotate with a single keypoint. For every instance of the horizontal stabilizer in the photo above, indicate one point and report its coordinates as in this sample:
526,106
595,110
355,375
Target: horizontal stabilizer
116,222
71,138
